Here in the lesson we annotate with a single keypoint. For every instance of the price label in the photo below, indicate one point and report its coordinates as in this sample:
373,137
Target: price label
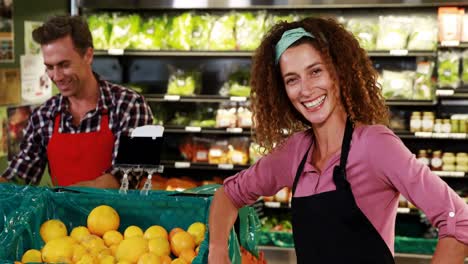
450,173
234,130
192,129
115,51
238,98
402,52
226,166
450,43
403,210
457,135
440,135
181,164
273,204
170,97
423,134
445,92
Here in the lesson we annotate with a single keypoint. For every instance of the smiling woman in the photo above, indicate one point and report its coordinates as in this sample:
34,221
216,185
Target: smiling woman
312,78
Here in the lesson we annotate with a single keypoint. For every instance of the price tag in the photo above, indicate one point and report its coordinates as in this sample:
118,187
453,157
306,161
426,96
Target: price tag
170,97
399,52
450,43
192,129
445,92
440,135
403,210
238,98
115,51
234,130
450,173
182,164
457,135
273,204
226,166
423,134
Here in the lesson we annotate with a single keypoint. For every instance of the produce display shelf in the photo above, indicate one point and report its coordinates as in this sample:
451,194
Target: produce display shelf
201,166
415,103
205,130
194,98
243,54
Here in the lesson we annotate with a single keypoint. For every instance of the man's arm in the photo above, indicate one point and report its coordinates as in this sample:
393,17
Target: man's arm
450,251
107,181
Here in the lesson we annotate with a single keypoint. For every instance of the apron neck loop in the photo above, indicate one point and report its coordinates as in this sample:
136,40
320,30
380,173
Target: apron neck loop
339,172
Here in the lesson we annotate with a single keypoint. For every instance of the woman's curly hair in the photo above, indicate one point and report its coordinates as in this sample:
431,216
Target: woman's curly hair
359,91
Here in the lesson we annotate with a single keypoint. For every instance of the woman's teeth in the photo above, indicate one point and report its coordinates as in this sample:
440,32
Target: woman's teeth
315,102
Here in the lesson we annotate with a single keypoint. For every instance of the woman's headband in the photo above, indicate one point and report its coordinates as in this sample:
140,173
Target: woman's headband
287,39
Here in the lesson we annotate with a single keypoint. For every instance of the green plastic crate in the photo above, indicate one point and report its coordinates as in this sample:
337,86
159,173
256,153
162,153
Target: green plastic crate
72,205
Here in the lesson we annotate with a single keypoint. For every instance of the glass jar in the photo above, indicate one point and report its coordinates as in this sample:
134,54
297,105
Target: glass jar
461,158
423,157
448,158
446,126
415,122
438,126
428,122
436,161
455,125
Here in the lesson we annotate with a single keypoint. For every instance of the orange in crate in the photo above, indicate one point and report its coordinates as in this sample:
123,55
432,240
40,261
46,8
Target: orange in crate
248,258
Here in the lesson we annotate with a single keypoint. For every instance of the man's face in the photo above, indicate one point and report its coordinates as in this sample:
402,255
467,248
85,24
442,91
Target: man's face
67,68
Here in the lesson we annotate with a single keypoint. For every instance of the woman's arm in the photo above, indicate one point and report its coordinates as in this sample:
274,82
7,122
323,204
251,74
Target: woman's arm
223,214
450,251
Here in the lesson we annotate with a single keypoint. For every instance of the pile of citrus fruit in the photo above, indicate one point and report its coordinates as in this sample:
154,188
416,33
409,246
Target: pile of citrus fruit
100,242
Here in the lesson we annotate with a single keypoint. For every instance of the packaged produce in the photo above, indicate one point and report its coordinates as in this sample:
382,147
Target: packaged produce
447,69
125,29
449,23
153,33
393,32
222,35
244,115
183,82
464,76
397,85
464,33
273,18
365,29
423,157
226,115
238,150
423,88
249,29
436,160
398,120
219,152
180,33
100,26
205,116
428,122
201,149
255,152
201,30
237,83
423,33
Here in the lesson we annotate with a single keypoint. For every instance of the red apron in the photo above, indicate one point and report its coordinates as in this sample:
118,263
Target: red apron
82,156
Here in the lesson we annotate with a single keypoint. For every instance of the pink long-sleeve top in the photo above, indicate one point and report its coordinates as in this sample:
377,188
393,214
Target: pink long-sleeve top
379,168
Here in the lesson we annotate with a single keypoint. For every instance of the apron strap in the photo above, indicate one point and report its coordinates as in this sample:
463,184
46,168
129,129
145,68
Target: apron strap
300,169
339,172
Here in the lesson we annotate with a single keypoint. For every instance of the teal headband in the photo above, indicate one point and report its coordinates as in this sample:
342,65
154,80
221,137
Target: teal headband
287,39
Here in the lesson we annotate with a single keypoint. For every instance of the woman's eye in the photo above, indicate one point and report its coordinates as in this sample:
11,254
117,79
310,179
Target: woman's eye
290,81
316,71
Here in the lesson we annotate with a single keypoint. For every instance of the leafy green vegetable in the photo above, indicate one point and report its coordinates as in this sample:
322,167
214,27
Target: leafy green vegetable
125,28
183,83
365,30
222,34
180,36
250,29
273,19
153,34
447,71
201,31
465,67
100,30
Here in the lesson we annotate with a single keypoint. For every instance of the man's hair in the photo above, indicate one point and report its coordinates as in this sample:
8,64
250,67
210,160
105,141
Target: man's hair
62,26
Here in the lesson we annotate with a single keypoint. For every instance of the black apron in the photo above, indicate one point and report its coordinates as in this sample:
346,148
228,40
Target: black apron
330,228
